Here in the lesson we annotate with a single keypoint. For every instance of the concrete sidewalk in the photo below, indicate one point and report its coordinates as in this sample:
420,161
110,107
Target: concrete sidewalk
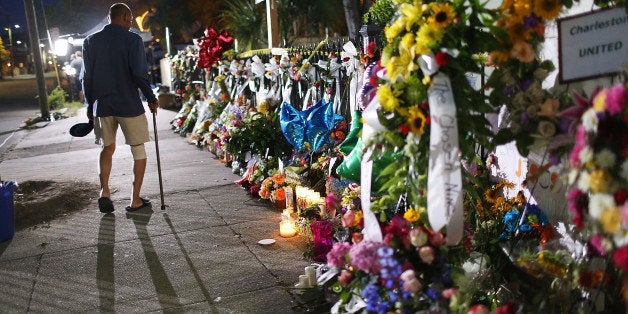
199,255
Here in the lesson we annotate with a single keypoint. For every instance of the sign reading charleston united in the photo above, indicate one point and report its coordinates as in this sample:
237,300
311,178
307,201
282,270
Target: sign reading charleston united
592,44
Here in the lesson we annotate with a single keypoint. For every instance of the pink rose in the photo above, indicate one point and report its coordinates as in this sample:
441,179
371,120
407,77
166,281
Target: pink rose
345,278
410,283
348,219
418,237
597,243
426,253
449,293
437,239
413,286
624,215
479,309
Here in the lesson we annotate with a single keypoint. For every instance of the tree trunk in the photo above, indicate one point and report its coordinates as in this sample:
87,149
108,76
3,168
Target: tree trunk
353,17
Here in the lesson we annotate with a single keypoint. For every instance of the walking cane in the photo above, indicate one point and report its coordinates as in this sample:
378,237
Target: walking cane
161,186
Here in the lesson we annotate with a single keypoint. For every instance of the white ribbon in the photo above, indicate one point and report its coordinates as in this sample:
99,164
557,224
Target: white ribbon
444,180
371,125
257,67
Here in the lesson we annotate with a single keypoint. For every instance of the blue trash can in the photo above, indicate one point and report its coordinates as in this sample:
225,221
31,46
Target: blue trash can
7,222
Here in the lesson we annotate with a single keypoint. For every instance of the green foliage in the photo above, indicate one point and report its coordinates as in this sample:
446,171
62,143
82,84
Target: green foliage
381,12
258,135
56,99
244,20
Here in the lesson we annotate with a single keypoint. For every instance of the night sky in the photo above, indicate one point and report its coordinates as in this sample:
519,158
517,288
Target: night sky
12,12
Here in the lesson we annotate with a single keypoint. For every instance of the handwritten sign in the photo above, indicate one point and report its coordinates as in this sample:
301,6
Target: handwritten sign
593,44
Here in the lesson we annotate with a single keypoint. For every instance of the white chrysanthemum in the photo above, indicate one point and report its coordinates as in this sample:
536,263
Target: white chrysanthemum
590,121
605,158
573,175
600,202
584,181
624,170
620,238
586,154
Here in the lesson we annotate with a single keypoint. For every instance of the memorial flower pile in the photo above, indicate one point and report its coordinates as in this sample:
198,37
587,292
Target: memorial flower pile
424,40
516,82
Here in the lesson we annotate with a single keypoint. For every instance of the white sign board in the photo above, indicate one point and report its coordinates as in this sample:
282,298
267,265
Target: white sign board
592,44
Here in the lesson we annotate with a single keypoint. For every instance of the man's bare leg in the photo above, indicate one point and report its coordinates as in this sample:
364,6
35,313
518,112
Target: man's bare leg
106,157
139,168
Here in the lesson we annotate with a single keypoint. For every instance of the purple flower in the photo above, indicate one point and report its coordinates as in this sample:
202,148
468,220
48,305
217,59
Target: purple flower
364,256
525,84
529,22
509,90
523,117
565,124
337,256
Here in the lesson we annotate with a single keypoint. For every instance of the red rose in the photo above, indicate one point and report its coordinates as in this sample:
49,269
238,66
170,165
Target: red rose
443,58
508,308
620,257
620,197
404,129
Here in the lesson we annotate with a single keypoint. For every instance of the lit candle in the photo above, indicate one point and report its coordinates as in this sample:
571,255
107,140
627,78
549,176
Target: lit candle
310,272
287,228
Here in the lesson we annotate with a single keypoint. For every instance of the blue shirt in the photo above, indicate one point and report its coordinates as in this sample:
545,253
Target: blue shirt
114,68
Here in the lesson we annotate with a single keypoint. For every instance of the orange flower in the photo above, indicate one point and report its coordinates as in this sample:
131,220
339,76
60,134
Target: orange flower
279,179
279,195
265,193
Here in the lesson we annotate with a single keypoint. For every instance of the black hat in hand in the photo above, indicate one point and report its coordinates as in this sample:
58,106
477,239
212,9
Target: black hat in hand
81,129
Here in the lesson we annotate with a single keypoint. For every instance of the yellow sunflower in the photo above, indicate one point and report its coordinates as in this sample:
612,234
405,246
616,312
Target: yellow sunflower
442,15
412,215
428,36
416,120
388,97
547,9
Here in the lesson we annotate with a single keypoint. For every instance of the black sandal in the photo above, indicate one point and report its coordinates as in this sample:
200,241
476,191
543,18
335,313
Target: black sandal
105,205
145,204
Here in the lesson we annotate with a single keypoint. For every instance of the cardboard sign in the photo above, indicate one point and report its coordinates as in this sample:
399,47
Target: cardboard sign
593,44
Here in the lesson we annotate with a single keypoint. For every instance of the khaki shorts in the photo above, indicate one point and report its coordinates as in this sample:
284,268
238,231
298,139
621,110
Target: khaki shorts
135,129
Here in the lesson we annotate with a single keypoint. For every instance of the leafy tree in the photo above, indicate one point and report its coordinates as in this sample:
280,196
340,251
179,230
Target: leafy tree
4,56
245,21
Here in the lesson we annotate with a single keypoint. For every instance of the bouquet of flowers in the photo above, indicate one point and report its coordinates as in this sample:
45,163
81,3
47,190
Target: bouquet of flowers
273,188
408,272
534,112
598,200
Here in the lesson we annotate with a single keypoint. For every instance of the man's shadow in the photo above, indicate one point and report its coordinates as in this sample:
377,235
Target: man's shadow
104,265
167,296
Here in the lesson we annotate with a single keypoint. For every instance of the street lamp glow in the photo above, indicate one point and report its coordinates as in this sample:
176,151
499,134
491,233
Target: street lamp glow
19,42
61,47
16,26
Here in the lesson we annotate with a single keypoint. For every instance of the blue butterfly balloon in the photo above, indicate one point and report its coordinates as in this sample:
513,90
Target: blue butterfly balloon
312,125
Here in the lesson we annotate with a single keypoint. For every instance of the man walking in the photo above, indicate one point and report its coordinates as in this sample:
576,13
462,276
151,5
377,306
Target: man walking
114,68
